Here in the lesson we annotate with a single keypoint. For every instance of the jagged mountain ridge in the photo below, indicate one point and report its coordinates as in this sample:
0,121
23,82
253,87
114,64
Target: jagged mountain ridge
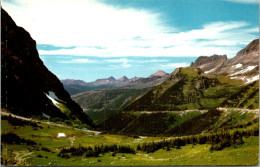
79,86
186,90
28,87
244,66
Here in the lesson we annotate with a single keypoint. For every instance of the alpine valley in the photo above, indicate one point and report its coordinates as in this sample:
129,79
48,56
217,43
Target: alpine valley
204,114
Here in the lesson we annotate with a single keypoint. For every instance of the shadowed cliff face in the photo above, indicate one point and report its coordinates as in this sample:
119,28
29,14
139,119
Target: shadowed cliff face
25,79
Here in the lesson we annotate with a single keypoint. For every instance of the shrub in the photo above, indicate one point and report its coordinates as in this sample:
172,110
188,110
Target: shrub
11,138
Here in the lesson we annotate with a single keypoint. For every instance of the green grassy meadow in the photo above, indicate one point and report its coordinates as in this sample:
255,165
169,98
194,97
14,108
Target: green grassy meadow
46,137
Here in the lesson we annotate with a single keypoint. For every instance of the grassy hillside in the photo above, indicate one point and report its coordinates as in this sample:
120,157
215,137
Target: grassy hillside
247,97
187,88
39,145
101,104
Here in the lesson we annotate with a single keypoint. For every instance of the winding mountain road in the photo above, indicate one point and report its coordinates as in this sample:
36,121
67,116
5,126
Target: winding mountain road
47,123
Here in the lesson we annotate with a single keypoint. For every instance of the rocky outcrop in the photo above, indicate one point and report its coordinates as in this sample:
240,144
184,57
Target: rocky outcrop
244,66
27,85
210,64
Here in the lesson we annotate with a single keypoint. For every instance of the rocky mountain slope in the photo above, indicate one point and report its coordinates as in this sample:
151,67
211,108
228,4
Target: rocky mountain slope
28,87
244,66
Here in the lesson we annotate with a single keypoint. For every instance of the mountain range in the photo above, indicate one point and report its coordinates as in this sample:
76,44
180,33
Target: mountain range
79,86
209,83
101,104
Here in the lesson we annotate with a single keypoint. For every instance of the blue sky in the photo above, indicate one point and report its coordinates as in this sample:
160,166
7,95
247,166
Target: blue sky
87,39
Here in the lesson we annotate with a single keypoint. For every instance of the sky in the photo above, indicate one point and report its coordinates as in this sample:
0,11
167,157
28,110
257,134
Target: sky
92,39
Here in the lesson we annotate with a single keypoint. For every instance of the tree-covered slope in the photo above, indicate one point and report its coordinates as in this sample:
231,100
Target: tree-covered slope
247,97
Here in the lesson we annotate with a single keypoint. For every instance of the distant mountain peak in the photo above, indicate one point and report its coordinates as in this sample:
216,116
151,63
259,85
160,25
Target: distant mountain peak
111,78
123,79
159,73
73,82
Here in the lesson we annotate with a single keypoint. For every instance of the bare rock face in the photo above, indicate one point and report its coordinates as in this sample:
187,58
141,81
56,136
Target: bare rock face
247,56
212,63
27,84
244,66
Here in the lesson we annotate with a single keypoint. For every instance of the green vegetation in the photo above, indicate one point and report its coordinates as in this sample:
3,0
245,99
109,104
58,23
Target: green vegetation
152,124
80,148
101,104
176,123
247,97
188,89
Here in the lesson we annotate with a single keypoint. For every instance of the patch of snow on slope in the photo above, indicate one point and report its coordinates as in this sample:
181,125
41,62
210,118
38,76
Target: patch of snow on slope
53,101
237,65
249,68
206,72
255,78
241,77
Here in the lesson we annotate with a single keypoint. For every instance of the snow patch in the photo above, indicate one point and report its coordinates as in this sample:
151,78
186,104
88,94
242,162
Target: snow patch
255,78
206,72
237,65
249,68
53,101
61,135
241,77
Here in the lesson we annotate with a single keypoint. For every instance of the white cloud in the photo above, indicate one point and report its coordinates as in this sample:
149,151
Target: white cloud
122,60
124,63
173,65
76,61
89,25
244,1
154,61
80,22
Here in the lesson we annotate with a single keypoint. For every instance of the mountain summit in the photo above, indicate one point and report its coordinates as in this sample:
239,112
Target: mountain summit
123,79
159,73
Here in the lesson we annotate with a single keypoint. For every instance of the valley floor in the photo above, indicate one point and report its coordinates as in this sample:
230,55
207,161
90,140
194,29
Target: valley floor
48,146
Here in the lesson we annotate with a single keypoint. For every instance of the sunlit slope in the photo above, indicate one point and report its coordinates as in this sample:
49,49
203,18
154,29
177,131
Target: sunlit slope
187,88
